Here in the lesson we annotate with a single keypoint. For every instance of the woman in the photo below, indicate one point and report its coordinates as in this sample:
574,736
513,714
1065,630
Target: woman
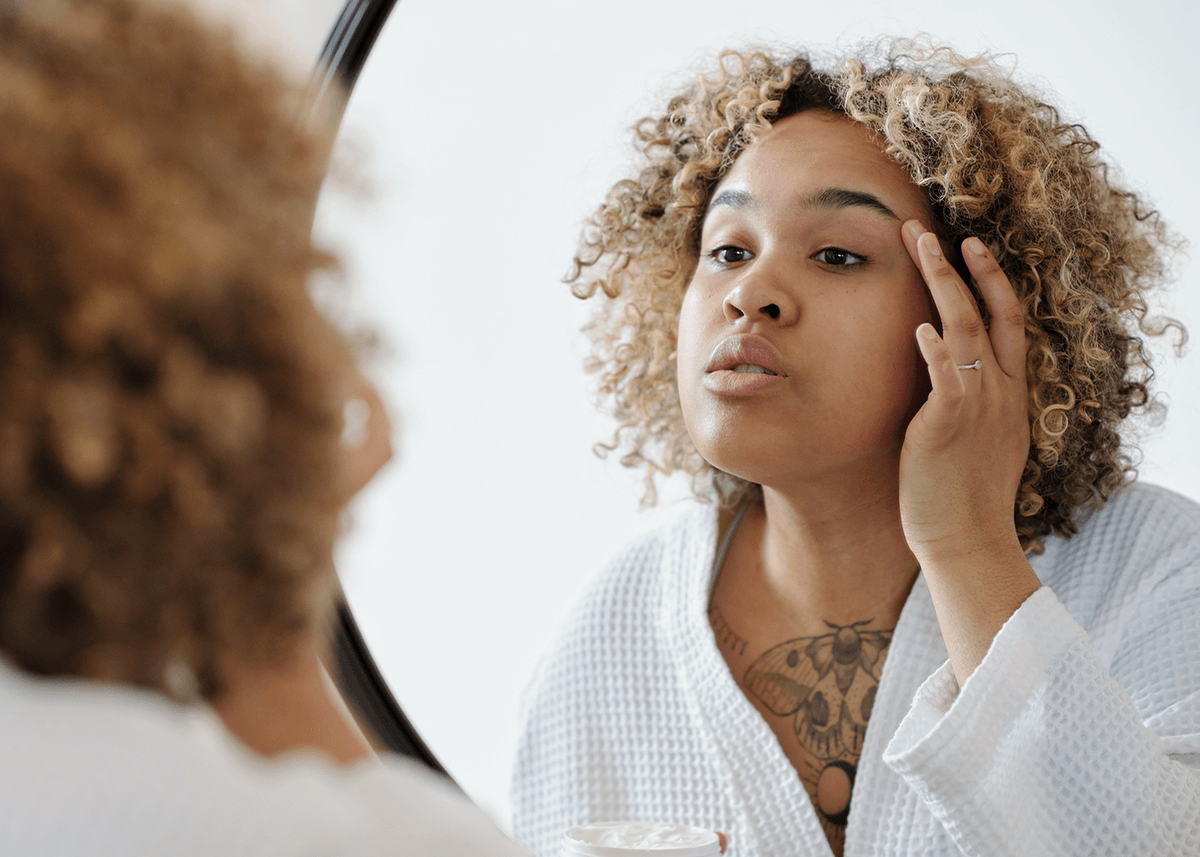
890,320
171,473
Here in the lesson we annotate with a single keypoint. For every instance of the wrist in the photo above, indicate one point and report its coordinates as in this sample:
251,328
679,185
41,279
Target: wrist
975,590
968,542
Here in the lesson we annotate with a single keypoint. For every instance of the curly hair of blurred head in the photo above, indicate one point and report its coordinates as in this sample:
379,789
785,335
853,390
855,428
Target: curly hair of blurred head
993,160
169,422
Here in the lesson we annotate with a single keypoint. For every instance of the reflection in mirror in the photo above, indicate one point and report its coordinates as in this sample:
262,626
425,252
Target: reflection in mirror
487,133
363,687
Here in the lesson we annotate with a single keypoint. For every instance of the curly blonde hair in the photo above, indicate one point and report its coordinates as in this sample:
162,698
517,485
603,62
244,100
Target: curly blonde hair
993,160
169,422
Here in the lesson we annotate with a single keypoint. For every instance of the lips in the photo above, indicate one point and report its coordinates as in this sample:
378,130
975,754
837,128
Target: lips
744,366
746,354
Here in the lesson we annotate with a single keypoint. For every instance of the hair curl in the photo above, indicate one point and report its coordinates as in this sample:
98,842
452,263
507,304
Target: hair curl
993,160
169,422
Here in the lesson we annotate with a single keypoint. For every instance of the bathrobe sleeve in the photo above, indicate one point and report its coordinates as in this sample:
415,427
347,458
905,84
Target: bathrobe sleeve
1061,745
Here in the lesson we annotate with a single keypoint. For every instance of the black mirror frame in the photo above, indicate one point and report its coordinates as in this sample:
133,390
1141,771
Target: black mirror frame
341,60
346,48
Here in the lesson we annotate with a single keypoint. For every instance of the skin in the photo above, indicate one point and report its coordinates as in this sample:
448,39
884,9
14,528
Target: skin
877,455
293,704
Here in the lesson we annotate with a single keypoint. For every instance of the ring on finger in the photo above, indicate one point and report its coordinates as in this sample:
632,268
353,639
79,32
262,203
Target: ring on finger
978,364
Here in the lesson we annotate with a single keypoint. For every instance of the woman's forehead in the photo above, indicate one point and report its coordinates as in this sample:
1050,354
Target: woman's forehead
820,159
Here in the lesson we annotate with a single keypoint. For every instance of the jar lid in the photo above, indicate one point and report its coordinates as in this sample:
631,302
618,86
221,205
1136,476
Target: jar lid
629,838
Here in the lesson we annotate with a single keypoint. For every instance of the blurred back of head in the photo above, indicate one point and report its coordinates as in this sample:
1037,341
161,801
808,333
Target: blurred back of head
168,413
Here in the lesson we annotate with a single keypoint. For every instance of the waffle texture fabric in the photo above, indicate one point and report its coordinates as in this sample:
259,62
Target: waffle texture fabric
1077,736
110,771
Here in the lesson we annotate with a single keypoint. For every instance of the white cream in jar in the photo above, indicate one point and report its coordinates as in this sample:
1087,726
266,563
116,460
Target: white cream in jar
632,838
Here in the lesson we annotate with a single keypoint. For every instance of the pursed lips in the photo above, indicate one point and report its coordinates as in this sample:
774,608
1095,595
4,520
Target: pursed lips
746,355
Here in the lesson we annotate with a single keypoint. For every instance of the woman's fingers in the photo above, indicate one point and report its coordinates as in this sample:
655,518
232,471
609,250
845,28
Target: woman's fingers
962,327
964,450
948,390
1007,330
912,233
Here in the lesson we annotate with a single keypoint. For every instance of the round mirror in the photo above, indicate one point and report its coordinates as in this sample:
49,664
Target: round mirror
484,134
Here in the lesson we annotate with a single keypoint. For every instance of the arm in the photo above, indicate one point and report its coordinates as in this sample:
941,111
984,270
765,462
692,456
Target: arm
1049,747
964,453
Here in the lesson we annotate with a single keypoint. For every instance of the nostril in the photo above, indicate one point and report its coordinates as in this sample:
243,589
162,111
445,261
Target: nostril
772,310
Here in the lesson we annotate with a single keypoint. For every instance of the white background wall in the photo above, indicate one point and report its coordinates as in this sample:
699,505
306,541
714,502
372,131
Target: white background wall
488,130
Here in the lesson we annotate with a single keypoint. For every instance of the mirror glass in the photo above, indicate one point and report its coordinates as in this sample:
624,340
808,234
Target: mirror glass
485,133
291,31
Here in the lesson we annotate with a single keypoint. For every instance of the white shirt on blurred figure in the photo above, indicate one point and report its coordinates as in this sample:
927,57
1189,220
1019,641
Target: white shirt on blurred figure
92,768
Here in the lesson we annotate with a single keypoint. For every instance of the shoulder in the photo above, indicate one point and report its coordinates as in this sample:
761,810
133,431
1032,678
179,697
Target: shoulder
607,693
1140,547
674,553
167,778
1141,524
687,524
424,811
612,640
1144,508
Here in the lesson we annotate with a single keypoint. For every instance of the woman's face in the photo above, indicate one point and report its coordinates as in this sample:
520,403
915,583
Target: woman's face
803,273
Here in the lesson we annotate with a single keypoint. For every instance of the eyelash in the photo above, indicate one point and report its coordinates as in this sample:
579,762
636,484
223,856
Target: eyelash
715,256
844,264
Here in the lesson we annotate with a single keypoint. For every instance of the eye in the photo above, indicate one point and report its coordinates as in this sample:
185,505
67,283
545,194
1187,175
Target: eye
728,254
838,257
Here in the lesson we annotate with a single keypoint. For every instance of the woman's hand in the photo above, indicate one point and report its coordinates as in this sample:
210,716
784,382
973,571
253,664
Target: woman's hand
965,450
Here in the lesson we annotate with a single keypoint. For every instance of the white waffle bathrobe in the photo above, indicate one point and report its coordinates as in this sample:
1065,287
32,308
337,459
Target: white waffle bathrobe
1078,735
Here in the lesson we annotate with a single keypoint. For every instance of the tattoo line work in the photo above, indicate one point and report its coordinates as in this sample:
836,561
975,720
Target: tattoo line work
726,636
828,684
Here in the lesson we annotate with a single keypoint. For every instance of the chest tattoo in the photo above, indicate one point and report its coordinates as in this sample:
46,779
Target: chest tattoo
827,685
727,638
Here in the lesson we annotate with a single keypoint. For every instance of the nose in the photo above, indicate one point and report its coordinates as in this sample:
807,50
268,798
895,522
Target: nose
757,298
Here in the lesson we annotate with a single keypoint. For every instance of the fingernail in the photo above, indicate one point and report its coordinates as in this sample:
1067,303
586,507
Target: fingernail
931,244
915,229
976,247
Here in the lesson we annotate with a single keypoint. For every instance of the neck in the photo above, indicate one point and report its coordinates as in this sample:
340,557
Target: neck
830,550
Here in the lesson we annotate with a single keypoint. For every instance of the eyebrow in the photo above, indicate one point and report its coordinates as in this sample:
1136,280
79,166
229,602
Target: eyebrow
733,198
838,197
828,197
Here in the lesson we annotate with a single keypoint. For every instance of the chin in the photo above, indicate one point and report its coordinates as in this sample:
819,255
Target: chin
754,464
762,465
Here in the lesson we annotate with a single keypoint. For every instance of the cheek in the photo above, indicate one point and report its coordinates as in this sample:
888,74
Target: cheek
887,364
692,352
918,300
688,333
685,368
910,375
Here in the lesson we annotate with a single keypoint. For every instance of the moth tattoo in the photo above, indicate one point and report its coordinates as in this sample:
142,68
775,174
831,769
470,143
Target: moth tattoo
827,682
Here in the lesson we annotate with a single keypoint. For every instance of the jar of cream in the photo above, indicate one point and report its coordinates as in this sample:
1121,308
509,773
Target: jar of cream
634,838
